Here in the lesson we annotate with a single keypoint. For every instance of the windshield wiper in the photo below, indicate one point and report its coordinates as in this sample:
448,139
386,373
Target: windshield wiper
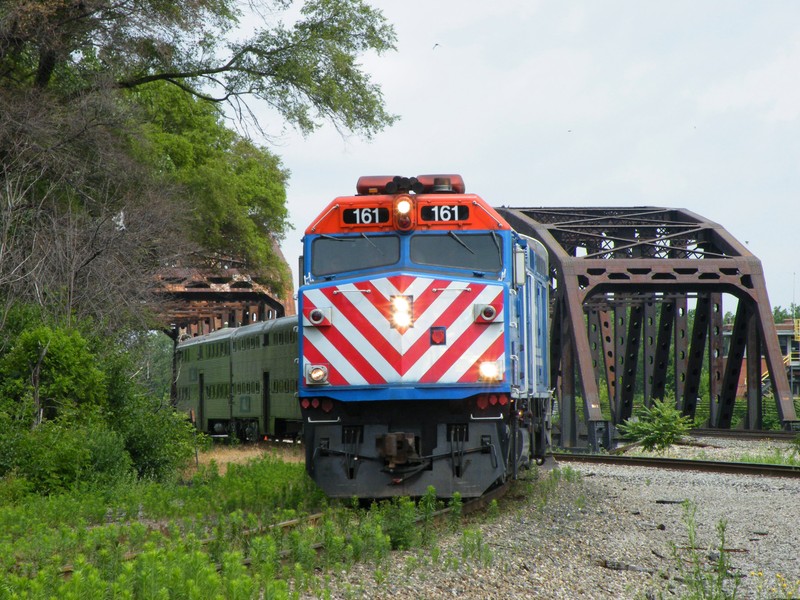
496,242
371,243
453,235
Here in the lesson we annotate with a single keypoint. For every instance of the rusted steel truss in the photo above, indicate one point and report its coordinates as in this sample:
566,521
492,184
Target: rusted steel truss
196,301
622,281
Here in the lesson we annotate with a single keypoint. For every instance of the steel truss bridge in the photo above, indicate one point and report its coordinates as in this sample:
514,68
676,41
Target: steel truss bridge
622,281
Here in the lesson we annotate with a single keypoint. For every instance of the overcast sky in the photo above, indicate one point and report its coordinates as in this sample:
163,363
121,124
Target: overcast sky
587,103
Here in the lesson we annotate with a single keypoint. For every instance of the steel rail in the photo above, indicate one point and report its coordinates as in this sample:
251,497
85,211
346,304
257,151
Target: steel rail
749,434
682,464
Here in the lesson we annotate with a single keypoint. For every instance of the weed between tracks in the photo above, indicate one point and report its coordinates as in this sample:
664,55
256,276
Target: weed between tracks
212,537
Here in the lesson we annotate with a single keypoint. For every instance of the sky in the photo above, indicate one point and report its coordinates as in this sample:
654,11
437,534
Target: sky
678,104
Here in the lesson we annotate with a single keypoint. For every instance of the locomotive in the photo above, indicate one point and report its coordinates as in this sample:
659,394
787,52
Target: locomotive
418,357
423,342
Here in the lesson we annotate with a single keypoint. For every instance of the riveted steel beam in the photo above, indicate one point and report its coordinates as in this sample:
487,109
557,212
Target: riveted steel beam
645,265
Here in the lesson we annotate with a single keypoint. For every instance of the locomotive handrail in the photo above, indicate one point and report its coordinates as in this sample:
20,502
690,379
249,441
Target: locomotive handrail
351,291
337,420
322,218
452,289
474,418
483,208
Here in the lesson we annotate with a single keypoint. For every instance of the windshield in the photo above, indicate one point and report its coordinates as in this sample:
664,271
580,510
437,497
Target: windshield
476,252
331,255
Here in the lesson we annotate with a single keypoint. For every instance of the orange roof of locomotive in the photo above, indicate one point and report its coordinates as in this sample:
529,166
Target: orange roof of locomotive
484,217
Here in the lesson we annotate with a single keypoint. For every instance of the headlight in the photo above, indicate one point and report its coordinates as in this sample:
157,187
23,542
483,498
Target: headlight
402,311
404,213
489,371
316,374
404,206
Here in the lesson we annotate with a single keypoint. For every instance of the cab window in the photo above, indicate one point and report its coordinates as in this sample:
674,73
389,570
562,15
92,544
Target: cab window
331,255
480,252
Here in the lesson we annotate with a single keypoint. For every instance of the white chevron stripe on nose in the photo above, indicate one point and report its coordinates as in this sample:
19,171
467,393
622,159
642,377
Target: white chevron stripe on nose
464,362
354,300
353,335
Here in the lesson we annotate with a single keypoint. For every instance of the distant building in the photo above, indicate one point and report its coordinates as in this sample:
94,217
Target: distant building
789,342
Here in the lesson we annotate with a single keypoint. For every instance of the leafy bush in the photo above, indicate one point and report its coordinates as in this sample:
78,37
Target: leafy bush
158,439
53,456
51,369
657,427
72,410
59,454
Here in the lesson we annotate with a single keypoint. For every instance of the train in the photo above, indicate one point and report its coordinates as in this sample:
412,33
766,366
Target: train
241,382
418,357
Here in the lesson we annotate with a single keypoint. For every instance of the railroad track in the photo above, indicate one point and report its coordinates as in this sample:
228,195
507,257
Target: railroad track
682,464
738,434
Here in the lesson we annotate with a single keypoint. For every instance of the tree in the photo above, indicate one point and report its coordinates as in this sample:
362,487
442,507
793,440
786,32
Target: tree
780,314
307,72
235,190
83,221
95,191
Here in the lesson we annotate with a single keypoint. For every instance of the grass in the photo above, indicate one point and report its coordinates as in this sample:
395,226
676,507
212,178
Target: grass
776,457
146,537
210,537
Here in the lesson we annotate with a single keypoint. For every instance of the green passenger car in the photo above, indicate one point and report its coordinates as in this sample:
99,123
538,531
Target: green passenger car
242,381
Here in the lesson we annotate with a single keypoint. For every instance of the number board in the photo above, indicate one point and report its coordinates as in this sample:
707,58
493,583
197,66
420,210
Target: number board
365,216
444,212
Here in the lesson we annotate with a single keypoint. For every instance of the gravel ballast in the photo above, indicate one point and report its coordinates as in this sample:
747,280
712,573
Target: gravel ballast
613,533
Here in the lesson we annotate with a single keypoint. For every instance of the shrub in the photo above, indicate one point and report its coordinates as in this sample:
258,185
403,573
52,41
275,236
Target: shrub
657,427
53,365
72,409
158,439
60,453
53,456
399,522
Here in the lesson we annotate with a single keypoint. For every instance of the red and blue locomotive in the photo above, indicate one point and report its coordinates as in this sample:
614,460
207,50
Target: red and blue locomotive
423,324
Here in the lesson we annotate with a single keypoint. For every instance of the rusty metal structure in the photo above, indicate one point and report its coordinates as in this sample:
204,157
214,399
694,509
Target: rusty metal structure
623,280
198,301
192,301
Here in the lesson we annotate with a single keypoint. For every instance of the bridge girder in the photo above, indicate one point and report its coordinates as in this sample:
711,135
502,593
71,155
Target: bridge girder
622,278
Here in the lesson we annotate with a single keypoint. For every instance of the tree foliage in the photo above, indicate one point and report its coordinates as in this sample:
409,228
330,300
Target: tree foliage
780,314
236,189
84,224
115,158
308,71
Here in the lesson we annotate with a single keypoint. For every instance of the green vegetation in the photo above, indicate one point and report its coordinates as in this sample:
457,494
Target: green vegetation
145,540
657,427
213,536
705,581
777,457
76,413
126,146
